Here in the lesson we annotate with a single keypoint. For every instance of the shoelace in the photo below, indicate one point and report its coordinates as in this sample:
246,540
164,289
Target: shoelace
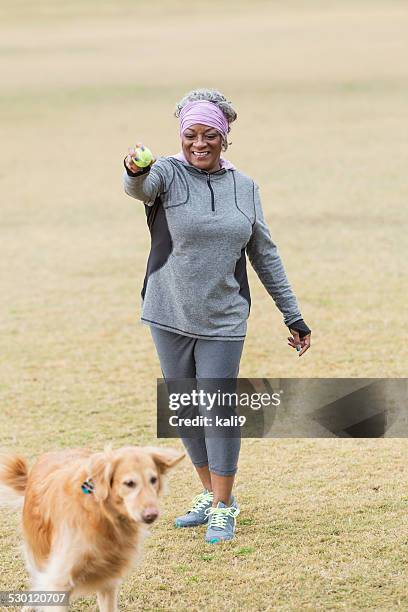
219,516
200,501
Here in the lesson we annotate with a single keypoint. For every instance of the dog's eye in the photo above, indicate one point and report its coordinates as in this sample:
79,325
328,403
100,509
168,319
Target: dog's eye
130,483
153,479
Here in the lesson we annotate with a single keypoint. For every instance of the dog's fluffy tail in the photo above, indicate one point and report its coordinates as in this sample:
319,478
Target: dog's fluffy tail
13,480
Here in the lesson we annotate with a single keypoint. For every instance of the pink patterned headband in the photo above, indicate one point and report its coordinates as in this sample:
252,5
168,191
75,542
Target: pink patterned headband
204,112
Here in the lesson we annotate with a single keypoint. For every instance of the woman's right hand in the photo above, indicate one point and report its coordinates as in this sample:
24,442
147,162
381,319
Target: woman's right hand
129,158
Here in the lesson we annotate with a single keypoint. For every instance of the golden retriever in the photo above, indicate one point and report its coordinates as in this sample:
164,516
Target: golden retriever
85,514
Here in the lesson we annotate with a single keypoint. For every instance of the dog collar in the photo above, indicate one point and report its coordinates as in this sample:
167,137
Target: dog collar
88,486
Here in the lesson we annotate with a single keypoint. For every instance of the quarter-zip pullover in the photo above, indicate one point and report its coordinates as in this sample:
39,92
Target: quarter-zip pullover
202,225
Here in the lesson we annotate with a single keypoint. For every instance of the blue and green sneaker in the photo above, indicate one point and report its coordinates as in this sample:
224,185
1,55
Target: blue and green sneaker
196,515
222,521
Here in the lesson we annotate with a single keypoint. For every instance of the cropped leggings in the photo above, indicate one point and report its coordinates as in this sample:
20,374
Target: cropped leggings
184,357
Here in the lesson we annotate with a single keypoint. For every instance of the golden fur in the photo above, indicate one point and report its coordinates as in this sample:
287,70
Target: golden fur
85,543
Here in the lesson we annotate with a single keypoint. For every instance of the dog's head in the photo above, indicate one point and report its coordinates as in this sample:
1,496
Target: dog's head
131,479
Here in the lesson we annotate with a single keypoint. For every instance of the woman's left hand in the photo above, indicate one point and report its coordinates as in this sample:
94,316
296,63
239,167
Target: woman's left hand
298,343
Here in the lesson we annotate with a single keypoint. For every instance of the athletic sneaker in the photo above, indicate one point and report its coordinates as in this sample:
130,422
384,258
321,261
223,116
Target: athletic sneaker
222,521
196,514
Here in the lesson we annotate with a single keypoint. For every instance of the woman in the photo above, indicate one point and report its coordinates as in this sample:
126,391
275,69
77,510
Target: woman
204,216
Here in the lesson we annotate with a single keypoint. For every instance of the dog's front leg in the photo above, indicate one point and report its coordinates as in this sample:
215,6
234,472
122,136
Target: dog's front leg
108,598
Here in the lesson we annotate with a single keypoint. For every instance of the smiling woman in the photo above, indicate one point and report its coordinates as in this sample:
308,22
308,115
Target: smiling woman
204,217
202,147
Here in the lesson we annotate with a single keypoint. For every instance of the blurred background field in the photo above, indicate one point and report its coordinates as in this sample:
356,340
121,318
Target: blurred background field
321,93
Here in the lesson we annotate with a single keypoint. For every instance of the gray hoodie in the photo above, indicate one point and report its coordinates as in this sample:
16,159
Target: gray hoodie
201,226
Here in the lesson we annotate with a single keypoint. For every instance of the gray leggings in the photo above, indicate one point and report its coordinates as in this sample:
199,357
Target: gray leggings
184,357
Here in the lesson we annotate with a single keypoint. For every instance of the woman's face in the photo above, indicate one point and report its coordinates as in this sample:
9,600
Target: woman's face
202,147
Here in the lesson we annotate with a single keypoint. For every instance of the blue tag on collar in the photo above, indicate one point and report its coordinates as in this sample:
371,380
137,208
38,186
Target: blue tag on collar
88,487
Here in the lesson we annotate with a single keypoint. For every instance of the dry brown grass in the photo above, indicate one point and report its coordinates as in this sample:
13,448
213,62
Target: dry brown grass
321,90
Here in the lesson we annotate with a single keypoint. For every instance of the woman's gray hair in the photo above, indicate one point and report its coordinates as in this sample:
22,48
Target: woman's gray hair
210,95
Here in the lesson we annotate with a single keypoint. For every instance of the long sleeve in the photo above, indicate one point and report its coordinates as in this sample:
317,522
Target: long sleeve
264,257
150,182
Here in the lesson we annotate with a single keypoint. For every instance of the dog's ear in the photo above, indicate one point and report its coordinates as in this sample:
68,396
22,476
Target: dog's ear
165,458
100,471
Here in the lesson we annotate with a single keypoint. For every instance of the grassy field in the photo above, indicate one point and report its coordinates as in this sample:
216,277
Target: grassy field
320,89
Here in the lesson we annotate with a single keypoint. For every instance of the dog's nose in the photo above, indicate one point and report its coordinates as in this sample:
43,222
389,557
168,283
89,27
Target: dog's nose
150,515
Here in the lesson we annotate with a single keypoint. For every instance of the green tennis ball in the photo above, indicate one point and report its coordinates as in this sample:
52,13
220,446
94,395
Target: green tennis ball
142,157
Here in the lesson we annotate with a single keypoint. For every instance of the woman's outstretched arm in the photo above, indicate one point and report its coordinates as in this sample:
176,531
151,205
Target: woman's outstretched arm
145,184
